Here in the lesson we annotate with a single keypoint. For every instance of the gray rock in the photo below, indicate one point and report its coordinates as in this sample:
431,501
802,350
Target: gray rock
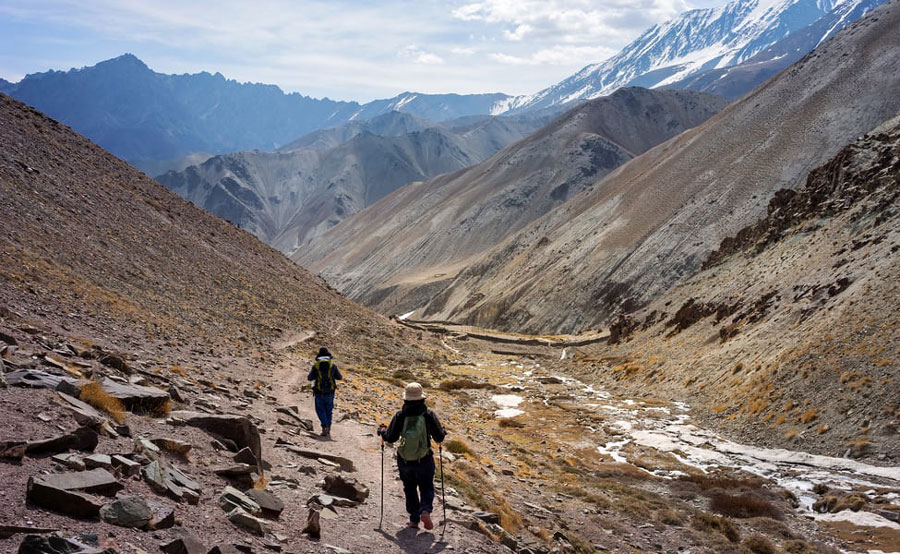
487,517
34,544
242,519
83,438
224,549
345,464
68,387
71,503
232,498
71,461
235,470
184,545
98,460
136,398
126,466
237,429
155,476
12,450
313,527
163,516
245,456
271,505
128,511
96,481
328,501
346,487
85,414
174,446
36,379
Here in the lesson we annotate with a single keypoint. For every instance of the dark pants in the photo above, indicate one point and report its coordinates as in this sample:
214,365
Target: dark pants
324,407
418,485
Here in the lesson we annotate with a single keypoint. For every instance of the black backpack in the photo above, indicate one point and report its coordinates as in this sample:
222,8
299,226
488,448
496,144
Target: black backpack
324,376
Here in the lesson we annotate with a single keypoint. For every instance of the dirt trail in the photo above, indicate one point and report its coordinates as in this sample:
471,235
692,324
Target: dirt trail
358,527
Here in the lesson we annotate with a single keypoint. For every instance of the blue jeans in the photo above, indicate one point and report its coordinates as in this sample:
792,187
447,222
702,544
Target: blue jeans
418,485
324,407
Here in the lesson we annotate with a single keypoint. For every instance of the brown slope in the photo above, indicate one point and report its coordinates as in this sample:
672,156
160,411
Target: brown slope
794,325
653,221
99,244
397,254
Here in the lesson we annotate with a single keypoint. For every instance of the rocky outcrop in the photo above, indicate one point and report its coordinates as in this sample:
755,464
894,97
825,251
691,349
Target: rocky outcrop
239,430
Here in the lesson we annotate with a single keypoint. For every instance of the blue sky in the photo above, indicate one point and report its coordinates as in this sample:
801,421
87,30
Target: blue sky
343,49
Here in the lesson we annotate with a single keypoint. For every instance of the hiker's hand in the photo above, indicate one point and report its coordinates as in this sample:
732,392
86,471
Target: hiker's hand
382,429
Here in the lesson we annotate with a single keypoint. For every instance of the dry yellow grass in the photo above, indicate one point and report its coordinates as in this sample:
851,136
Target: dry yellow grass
808,415
93,394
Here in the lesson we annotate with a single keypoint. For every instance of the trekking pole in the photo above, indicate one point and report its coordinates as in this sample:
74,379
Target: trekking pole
443,490
381,519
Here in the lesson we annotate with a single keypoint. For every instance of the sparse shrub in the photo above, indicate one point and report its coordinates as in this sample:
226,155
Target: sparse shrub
823,428
759,544
93,394
791,434
721,525
780,419
458,446
261,483
670,517
858,447
460,384
744,506
808,415
722,482
511,422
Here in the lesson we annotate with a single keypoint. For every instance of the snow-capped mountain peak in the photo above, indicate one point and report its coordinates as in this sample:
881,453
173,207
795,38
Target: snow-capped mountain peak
695,41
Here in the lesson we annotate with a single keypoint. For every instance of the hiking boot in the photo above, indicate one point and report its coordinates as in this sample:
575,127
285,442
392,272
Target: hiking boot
413,524
324,432
426,520
328,430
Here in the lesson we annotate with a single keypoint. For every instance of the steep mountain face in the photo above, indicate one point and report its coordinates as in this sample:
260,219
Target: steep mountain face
698,41
285,198
652,222
110,252
142,115
735,81
397,254
793,325
5,86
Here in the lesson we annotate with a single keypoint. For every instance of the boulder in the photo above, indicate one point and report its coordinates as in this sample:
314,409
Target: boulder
155,476
184,545
271,505
12,450
313,527
137,398
83,438
128,511
346,487
71,503
237,429
36,379
225,549
168,480
245,456
115,362
253,524
232,498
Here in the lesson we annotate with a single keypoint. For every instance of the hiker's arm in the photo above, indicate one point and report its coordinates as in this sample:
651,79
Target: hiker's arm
393,431
435,429
337,373
312,374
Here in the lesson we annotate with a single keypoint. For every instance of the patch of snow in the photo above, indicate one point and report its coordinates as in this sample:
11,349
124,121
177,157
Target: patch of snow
507,400
862,519
406,315
508,412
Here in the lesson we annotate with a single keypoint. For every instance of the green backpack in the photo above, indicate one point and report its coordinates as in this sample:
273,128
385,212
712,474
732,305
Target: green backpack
413,439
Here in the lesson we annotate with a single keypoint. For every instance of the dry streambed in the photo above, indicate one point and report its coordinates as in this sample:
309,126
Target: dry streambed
655,448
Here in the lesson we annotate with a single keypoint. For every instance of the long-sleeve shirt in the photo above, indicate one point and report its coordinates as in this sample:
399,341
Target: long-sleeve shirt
415,408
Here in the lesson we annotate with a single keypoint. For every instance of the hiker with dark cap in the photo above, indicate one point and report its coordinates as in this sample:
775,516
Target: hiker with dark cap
324,374
415,426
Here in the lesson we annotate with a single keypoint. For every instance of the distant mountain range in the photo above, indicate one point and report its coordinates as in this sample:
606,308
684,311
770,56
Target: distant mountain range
289,196
138,114
146,117
704,40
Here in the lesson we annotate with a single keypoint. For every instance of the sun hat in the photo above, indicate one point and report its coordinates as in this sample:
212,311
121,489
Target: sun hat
413,392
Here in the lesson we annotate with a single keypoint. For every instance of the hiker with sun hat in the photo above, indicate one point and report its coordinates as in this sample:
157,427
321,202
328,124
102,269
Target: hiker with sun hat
415,426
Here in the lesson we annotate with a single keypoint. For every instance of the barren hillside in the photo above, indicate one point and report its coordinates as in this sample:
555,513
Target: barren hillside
652,222
400,253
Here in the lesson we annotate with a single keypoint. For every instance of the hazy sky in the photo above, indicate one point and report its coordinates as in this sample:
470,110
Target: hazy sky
343,49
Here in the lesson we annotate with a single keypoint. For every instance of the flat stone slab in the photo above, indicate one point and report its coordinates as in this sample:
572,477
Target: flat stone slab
36,379
85,414
338,485
231,498
271,505
128,511
136,398
83,438
72,503
242,519
237,429
235,470
97,481
345,463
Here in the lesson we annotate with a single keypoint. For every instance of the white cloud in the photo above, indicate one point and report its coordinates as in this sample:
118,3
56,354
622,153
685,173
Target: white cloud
413,53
